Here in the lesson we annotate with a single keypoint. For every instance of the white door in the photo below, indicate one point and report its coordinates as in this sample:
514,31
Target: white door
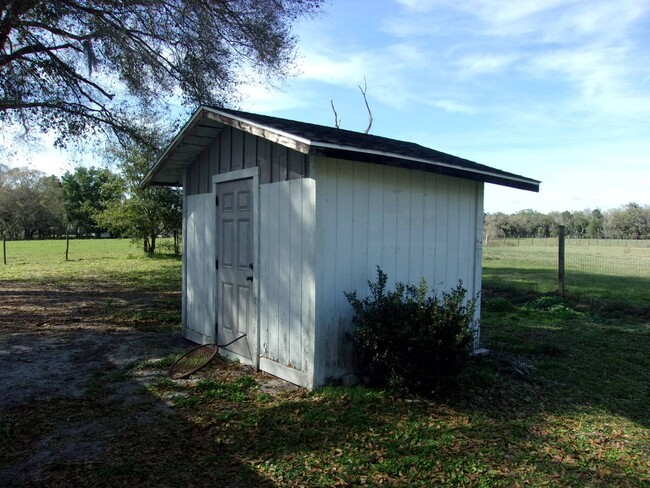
235,312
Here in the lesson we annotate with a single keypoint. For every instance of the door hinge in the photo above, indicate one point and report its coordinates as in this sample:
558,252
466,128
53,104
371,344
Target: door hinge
216,264
216,200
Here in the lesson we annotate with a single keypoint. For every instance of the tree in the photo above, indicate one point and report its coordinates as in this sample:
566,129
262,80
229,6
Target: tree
596,224
144,213
630,222
31,203
75,66
87,192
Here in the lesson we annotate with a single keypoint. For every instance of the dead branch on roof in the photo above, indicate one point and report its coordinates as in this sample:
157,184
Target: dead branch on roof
337,121
363,92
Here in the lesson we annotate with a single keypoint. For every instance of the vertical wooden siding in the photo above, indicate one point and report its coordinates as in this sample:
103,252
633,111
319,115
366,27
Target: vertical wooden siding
412,224
233,149
287,282
200,252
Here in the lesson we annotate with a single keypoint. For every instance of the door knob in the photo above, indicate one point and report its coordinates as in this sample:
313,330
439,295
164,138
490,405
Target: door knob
249,278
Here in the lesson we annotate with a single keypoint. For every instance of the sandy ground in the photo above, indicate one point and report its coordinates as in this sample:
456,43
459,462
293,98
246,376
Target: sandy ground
52,344
51,340
56,345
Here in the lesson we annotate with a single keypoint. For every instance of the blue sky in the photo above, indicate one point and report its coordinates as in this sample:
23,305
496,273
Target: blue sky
557,90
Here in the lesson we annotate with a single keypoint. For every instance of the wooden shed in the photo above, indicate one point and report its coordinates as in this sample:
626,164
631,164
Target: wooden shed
280,218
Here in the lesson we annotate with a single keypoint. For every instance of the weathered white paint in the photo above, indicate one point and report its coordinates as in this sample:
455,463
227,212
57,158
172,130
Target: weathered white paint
316,238
199,263
286,279
478,261
412,224
233,150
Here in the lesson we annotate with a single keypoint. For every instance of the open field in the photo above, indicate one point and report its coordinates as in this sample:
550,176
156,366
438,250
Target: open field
605,271
562,400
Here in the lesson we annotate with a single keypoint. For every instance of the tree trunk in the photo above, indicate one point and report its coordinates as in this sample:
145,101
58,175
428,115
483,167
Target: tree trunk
176,248
146,245
152,246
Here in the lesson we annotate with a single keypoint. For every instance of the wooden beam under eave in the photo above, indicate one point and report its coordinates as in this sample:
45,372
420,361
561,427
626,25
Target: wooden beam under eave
263,132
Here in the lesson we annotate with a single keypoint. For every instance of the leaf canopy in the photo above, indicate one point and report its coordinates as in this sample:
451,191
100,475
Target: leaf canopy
78,66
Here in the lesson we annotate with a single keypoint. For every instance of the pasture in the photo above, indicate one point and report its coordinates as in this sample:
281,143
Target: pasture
563,399
613,272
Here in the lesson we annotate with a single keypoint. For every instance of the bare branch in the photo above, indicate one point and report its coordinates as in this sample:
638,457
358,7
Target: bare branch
363,92
337,121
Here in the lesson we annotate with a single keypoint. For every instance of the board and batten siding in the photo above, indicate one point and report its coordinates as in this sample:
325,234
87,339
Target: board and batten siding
412,224
199,307
233,150
287,279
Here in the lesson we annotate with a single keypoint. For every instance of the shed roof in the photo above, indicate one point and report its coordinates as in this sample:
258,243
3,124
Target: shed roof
317,140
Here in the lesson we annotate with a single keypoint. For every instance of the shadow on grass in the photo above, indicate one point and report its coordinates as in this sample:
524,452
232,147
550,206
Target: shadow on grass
116,434
71,414
110,307
583,357
542,409
620,292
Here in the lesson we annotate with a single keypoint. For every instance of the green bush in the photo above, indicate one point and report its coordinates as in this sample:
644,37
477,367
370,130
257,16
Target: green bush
407,340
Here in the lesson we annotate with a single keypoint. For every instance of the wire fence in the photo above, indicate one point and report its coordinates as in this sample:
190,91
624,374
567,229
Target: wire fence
600,269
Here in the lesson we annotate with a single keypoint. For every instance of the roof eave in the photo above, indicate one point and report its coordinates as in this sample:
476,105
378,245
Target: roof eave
171,147
398,161
317,148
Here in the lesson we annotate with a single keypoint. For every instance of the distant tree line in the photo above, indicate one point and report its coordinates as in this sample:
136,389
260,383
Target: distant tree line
88,202
631,221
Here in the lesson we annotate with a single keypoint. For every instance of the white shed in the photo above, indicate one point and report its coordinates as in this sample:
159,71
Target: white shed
280,218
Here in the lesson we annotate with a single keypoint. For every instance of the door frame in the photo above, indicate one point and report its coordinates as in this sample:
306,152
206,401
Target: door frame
254,326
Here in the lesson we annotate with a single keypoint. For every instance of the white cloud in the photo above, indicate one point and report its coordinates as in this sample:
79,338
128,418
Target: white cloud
484,63
262,99
454,107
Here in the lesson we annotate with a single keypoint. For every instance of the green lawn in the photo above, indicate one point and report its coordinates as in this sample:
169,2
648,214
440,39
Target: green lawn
101,261
594,270
563,399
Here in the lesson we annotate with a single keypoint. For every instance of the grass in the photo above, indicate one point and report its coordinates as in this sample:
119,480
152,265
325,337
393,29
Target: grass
562,400
596,271
100,263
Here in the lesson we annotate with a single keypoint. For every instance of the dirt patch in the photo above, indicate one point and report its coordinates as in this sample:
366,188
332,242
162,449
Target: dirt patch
50,340
68,379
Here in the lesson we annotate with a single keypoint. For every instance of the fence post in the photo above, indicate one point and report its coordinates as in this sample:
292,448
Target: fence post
560,261
4,247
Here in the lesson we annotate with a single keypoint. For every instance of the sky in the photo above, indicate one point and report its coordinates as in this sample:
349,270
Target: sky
555,90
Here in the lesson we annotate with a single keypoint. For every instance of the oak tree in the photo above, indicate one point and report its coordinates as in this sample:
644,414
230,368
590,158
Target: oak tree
77,66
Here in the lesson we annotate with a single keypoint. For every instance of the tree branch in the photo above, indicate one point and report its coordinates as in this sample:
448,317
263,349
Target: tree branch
337,121
363,92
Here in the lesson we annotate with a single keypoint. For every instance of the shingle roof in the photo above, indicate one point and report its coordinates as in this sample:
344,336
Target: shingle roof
320,140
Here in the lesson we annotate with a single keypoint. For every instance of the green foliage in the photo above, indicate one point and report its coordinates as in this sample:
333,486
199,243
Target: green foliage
408,340
497,304
237,391
87,192
632,221
31,203
142,51
143,213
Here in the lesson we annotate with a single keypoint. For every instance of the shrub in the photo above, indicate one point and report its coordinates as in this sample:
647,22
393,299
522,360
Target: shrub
405,339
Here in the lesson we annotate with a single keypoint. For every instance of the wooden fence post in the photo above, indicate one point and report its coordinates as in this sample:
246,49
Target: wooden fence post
560,261
4,247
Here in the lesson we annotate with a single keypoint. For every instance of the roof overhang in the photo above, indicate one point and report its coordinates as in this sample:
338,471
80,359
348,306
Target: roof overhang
399,161
207,122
